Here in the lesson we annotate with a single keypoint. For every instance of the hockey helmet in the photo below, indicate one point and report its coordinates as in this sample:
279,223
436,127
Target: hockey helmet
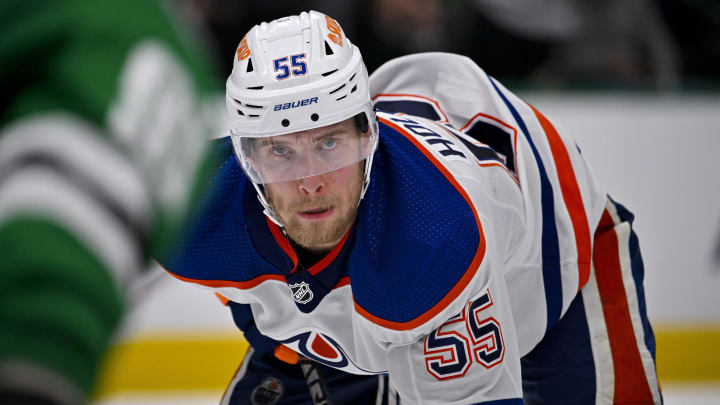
291,75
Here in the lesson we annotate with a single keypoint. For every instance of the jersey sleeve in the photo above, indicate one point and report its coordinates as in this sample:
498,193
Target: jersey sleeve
463,217
471,358
97,98
443,307
562,201
547,259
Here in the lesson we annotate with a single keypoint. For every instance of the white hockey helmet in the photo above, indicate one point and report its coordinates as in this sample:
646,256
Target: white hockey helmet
295,74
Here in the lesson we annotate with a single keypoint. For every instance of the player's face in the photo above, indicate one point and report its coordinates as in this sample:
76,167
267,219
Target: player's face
318,210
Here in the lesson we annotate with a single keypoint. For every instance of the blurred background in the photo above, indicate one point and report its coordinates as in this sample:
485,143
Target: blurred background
635,82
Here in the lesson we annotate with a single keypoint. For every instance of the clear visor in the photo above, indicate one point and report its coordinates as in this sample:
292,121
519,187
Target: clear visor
302,154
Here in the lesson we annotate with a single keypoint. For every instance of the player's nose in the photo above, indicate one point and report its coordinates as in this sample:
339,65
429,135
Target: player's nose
311,185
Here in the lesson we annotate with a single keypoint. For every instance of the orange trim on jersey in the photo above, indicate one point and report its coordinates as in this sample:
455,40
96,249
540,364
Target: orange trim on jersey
283,242
243,285
286,354
499,121
440,355
571,196
469,273
508,126
631,385
437,105
512,176
325,261
222,299
343,282
288,249
485,164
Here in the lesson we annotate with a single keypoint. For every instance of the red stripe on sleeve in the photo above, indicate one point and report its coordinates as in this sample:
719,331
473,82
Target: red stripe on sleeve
631,386
571,196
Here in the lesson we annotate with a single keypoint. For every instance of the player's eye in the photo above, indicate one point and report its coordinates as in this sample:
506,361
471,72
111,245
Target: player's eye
328,143
279,150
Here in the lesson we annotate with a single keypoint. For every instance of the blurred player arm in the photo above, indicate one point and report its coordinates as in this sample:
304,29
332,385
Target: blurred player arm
83,200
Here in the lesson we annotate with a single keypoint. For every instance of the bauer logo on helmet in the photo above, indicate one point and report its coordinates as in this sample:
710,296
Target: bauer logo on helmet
295,104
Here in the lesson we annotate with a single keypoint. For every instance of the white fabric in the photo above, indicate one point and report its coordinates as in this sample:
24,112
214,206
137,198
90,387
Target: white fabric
507,205
464,94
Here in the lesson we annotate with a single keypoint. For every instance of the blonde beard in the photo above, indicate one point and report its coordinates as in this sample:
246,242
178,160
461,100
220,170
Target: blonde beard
317,233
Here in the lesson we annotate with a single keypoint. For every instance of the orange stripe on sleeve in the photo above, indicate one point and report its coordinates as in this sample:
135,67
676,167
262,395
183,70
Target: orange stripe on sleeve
571,196
631,386
222,299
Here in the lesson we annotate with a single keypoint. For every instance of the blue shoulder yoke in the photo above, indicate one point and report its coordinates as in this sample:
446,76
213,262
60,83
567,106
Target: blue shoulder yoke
416,236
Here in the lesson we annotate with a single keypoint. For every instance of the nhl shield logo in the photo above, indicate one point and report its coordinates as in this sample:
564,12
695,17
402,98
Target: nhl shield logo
301,292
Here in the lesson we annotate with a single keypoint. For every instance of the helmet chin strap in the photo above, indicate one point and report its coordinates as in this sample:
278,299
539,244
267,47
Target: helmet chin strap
267,208
366,177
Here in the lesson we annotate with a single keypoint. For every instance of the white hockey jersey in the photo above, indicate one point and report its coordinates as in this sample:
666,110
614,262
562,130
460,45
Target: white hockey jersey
417,288
562,202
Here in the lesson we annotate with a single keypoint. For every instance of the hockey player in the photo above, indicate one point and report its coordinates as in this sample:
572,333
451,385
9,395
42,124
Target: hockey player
443,240
100,140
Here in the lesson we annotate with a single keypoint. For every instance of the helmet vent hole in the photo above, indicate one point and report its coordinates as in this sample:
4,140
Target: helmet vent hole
352,77
285,122
252,106
240,112
353,89
341,98
255,88
314,117
329,73
249,66
338,89
328,49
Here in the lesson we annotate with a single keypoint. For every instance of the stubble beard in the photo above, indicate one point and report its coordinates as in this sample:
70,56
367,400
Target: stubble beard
310,234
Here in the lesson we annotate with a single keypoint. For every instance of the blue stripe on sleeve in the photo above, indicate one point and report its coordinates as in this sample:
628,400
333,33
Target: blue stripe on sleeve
638,273
550,244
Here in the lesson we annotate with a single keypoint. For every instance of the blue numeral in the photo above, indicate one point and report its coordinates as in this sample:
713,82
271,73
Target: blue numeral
299,67
448,350
486,334
285,72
